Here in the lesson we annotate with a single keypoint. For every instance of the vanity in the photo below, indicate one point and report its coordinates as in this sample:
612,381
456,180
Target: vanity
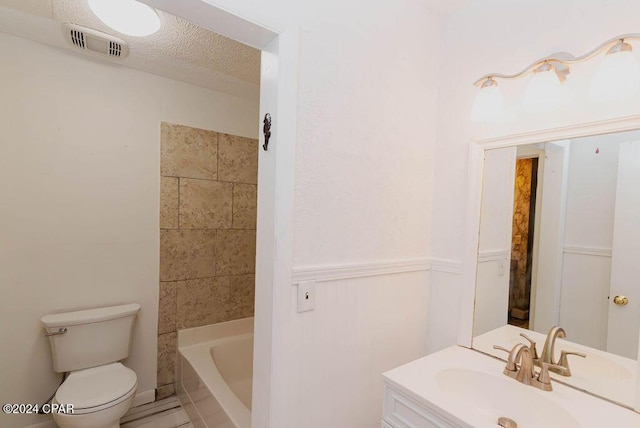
462,388
550,307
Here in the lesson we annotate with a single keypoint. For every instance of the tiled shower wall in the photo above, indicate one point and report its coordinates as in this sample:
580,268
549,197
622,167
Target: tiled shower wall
207,235
520,234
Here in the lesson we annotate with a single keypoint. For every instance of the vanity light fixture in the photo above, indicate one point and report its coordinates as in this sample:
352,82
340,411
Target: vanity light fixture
489,104
543,92
618,77
128,17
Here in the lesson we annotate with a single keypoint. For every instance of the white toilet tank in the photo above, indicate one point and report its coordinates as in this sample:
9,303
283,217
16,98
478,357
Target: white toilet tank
90,338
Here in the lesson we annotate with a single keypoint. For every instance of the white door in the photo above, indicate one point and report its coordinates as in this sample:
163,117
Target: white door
624,321
549,237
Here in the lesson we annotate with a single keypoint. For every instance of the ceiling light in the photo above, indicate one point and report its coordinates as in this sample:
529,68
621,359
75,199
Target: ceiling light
127,16
544,92
488,106
618,77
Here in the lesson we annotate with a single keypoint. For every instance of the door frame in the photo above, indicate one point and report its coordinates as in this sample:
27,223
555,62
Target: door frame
534,153
276,170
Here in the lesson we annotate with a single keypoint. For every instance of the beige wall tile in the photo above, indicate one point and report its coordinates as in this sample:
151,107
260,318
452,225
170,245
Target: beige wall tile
202,302
187,254
205,204
188,152
166,358
245,198
168,203
235,252
167,308
242,296
237,159
165,391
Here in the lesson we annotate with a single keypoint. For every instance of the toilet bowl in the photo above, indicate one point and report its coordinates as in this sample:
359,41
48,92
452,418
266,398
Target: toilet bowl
89,345
100,396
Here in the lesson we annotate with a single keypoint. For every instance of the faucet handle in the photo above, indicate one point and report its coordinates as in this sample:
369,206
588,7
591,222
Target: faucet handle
544,380
511,365
532,347
564,362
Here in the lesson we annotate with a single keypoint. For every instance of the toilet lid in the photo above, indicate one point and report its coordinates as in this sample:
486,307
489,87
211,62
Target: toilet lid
96,386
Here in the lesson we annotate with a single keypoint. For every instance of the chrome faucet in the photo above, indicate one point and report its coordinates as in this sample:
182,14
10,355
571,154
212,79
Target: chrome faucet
548,353
525,372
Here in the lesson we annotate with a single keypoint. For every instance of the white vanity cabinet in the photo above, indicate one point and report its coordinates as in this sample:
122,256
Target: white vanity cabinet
462,388
401,411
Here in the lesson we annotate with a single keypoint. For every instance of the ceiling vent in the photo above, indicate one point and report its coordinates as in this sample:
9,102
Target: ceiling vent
95,41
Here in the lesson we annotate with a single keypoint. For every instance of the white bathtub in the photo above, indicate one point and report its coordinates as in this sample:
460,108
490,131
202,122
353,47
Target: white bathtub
215,372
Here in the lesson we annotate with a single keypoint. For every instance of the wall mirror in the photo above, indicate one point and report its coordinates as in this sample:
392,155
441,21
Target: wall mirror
559,245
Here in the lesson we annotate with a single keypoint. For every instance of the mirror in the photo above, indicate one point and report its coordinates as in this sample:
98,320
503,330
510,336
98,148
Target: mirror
559,245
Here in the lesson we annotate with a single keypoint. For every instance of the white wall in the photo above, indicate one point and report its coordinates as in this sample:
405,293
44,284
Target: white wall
504,36
366,82
363,180
79,181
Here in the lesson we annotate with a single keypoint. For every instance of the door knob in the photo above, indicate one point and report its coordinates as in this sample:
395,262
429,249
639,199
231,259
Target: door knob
620,300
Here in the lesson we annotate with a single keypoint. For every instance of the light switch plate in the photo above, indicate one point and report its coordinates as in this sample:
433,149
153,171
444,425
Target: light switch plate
306,296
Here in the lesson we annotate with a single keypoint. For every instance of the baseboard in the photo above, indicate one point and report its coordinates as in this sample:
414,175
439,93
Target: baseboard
144,397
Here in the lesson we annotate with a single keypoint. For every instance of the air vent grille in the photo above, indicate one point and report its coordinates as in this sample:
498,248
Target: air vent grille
115,49
93,41
77,38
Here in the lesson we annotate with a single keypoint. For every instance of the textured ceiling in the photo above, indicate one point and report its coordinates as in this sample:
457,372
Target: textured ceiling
180,50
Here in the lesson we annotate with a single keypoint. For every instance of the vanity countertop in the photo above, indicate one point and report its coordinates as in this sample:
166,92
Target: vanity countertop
601,373
422,381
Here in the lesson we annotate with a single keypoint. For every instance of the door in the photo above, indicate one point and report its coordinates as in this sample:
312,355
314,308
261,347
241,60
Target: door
624,320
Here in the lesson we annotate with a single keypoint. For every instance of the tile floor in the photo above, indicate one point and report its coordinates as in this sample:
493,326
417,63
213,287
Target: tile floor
167,413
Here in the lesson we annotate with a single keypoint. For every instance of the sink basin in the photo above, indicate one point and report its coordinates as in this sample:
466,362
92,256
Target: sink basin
490,397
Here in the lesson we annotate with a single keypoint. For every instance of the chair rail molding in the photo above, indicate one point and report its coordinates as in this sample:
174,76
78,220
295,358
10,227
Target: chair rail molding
374,268
587,251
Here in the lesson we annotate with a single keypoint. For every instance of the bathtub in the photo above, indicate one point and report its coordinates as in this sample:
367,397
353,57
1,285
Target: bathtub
214,374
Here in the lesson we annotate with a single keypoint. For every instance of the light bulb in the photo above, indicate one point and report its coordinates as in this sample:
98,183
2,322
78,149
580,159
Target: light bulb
488,106
544,92
127,16
618,77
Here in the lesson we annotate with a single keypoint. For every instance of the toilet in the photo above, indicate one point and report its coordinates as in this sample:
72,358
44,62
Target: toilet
88,345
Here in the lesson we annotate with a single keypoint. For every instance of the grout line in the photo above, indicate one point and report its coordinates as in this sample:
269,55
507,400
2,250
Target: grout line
150,408
175,310
155,416
218,156
179,203
214,180
211,179
215,254
211,277
211,229
233,200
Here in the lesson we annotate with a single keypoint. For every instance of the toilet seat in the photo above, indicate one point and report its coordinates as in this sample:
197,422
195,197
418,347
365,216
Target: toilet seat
97,388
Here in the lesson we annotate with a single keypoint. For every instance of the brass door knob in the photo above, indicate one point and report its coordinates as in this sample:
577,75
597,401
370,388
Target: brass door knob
620,300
